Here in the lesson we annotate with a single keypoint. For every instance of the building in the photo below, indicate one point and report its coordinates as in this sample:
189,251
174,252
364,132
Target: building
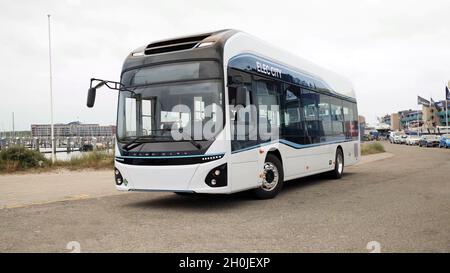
395,122
386,119
73,129
410,118
441,114
430,117
427,118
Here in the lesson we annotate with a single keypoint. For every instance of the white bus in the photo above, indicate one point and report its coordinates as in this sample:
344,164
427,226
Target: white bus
194,114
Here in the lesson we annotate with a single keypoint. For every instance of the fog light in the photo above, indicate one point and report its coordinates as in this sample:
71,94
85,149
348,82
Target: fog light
217,177
118,177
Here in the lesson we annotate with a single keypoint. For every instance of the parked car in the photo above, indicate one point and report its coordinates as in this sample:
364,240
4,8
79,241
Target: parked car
412,140
429,141
403,139
444,141
374,135
395,139
400,139
86,148
392,136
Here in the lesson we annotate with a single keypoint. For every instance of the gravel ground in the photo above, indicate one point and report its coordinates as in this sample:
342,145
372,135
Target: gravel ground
402,202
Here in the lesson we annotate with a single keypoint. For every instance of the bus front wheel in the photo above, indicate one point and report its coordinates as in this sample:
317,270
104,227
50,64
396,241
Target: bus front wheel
272,178
338,164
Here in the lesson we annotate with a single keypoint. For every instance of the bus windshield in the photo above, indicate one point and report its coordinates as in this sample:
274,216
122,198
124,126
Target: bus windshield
171,112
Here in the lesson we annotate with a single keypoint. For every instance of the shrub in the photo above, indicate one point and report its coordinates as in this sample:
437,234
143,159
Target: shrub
372,148
17,158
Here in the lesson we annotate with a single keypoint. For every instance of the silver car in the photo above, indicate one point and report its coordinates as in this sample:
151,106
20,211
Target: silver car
412,140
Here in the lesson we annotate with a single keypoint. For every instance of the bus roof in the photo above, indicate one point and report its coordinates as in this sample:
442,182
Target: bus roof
227,44
241,43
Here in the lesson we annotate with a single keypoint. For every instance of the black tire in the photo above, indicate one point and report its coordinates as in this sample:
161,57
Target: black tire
274,174
338,165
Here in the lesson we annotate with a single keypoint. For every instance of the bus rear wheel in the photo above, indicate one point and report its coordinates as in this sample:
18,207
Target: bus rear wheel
272,178
338,165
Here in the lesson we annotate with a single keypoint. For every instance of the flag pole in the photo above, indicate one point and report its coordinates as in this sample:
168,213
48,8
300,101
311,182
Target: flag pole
51,92
418,122
446,114
446,108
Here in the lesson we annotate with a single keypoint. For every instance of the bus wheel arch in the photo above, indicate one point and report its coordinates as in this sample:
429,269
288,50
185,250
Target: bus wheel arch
276,153
339,147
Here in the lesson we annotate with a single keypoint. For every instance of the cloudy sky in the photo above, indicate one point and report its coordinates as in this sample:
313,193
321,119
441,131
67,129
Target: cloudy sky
391,50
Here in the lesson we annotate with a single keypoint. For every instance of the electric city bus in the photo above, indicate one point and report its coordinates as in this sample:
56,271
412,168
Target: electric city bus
224,112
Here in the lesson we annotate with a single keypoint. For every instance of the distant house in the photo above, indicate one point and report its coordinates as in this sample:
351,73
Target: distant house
73,129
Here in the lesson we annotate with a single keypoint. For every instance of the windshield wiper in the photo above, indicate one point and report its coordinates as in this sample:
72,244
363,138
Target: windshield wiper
135,140
129,145
191,140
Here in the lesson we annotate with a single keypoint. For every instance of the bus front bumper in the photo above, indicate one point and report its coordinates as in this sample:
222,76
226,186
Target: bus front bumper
176,178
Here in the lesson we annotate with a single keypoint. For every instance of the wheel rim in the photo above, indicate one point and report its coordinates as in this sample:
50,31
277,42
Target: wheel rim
340,162
271,176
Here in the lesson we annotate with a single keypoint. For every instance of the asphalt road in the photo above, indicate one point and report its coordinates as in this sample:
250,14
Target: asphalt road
402,202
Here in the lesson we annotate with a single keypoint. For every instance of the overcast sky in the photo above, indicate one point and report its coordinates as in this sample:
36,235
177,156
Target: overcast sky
392,51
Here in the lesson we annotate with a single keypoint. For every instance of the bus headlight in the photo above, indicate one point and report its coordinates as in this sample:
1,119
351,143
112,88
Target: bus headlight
118,177
217,177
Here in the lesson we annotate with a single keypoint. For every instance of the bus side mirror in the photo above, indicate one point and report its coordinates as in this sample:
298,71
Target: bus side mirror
241,96
91,97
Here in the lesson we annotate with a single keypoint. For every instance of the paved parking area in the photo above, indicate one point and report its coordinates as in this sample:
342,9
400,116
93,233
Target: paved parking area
23,189
401,202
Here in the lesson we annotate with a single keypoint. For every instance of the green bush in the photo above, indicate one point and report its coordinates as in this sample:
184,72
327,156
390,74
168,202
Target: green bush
372,148
16,158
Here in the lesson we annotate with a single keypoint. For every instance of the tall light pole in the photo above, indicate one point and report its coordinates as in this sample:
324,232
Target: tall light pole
13,127
51,91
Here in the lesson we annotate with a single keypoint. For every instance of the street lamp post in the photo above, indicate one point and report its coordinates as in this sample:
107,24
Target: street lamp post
51,91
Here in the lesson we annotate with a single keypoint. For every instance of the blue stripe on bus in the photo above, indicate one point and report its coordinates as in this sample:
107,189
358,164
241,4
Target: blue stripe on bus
290,144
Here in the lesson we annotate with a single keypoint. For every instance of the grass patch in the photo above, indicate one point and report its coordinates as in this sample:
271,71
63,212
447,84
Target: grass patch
92,160
372,148
18,158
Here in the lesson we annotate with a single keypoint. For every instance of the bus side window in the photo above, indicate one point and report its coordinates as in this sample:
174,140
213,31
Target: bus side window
292,128
268,104
350,120
310,103
337,118
325,127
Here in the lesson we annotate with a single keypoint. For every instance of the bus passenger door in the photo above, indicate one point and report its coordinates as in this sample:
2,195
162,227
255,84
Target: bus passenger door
244,143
